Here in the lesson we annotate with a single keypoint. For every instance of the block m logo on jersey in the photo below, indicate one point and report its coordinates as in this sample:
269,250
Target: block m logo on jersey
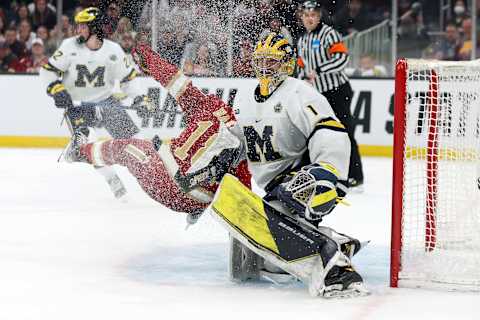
97,78
260,148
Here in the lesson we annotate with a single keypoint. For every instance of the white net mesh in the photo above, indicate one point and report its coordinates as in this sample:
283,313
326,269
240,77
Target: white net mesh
441,195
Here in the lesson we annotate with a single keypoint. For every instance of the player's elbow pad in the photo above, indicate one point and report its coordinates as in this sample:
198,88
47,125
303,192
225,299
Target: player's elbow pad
311,192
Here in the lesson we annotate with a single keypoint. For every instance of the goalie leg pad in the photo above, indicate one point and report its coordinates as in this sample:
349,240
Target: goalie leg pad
307,253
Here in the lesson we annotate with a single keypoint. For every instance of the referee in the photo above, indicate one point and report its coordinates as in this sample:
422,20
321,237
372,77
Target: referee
322,58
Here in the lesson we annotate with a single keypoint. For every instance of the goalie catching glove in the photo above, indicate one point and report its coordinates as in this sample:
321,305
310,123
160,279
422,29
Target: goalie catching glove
311,192
60,95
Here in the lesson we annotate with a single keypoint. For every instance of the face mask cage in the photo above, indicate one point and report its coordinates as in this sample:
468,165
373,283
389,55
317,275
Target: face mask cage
271,67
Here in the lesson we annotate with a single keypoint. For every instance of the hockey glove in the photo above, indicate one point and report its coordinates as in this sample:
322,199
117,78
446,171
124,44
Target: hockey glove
62,98
311,192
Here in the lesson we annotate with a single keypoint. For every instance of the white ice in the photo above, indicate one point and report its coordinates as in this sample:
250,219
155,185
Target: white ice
68,250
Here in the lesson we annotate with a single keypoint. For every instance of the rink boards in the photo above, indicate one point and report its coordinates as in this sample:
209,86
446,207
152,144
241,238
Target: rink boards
29,118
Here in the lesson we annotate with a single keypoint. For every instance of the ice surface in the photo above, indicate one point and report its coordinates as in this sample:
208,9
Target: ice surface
69,250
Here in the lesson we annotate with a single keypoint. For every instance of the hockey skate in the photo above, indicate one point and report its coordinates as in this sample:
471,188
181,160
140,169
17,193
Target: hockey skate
343,282
71,152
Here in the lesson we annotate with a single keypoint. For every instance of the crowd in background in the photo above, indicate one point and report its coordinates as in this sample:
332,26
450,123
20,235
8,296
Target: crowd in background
196,34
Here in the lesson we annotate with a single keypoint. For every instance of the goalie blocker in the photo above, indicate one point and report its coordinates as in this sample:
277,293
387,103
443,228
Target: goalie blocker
313,255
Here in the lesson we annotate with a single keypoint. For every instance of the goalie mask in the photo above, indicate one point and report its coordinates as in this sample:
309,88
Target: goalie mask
273,61
93,18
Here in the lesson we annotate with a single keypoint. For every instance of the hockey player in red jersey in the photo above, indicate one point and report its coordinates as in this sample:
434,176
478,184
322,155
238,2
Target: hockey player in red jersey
182,173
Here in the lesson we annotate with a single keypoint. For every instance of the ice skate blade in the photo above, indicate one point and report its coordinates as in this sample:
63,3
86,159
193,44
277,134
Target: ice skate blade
356,289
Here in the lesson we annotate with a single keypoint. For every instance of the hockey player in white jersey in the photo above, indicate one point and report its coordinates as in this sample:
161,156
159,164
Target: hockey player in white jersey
298,152
81,76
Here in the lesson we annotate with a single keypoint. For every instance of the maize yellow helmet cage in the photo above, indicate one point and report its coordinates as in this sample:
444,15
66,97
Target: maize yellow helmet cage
273,61
93,17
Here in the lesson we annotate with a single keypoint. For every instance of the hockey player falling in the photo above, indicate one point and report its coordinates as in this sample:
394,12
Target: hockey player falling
84,70
297,150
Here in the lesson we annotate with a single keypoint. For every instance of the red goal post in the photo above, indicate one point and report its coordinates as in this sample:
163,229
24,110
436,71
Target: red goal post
435,240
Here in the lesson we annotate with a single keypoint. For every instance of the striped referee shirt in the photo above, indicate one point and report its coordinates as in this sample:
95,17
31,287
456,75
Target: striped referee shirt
322,51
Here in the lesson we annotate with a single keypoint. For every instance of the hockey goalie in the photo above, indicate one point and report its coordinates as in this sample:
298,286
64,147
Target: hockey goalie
280,233
297,151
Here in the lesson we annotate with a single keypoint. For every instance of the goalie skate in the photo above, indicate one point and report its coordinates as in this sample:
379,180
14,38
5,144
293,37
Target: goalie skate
344,282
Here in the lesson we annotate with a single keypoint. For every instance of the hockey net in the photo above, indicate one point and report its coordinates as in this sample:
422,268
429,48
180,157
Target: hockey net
436,176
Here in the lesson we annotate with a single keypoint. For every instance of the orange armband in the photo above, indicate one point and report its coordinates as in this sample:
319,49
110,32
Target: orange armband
338,47
300,63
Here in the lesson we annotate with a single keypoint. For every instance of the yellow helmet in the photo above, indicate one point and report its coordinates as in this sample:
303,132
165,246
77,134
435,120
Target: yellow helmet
94,19
273,61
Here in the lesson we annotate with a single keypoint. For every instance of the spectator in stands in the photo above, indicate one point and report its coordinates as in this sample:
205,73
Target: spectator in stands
3,26
49,45
368,68
355,16
251,18
287,10
277,26
142,38
124,26
38,58
242,65
202,63
447,48
243,20
78,9
43,15
7,58
412,33
17,47
465,50
3,16
10,11
21,14
25,34
171,45
460,13
31,7
127,42
64,31
113,16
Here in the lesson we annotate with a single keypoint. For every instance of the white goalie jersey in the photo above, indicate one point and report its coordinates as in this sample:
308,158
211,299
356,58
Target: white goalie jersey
90,75
295,123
